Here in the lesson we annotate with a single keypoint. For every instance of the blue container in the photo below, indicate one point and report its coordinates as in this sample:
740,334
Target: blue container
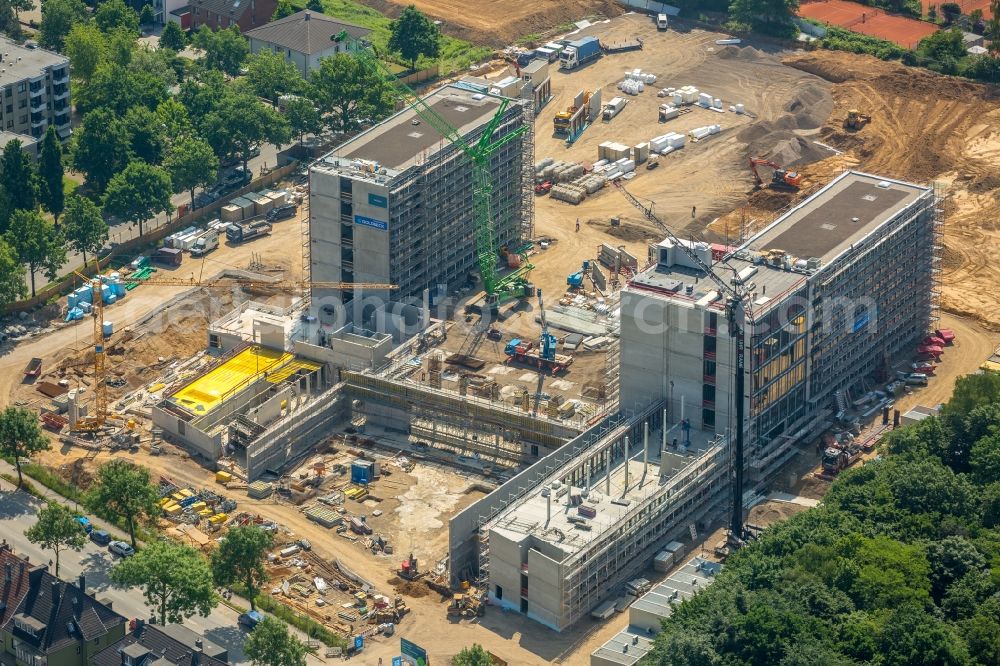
71,300
360,473
107,329
119,289
84,295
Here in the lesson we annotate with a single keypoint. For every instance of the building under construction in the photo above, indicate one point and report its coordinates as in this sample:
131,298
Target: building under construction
851,286
394,204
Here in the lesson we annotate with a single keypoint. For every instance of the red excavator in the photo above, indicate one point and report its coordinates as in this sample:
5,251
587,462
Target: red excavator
781,179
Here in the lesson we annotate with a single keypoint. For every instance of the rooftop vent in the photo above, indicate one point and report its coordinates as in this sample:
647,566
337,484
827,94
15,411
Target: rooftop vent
884,184
855,220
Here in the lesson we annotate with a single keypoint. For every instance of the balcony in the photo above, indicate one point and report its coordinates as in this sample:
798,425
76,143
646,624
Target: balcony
708,404
60,92
709,356
60,75
37,119
710,331
524,593
709,379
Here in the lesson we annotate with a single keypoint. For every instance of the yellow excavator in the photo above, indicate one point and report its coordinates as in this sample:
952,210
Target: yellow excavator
856,120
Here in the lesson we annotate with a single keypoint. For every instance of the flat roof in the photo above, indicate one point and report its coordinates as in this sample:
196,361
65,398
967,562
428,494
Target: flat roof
397,143
19,62
627,647
853,205
531,514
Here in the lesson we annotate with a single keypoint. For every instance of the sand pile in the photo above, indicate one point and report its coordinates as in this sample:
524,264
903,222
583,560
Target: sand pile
811,106
777,140
747,53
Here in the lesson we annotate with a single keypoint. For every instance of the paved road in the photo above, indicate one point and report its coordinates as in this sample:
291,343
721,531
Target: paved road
18,511
120,233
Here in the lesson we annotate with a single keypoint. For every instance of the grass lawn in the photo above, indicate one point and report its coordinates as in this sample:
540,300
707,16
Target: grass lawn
69,186
456,54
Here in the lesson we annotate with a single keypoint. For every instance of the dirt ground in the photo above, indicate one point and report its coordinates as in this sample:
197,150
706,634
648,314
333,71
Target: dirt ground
500,23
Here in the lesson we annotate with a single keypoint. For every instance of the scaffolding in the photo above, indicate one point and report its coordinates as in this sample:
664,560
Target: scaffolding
527,231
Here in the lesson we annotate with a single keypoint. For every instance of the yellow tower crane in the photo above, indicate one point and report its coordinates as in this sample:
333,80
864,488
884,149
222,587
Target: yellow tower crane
100,373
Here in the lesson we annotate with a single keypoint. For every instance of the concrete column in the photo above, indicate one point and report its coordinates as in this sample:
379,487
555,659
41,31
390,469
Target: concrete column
645,451
663,443
425,315
607,485
625,487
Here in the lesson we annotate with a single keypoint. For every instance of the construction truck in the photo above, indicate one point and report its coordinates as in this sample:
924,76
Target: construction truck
613,108
856,120
579,52
781,179
840,453
408,569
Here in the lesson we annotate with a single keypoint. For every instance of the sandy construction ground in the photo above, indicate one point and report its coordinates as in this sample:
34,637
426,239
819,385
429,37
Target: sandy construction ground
499,23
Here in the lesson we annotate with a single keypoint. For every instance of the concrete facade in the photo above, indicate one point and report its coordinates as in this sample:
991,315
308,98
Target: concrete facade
851,287
394,204
35,90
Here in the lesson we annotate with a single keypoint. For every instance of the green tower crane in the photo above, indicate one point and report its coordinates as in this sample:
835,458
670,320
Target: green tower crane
498,289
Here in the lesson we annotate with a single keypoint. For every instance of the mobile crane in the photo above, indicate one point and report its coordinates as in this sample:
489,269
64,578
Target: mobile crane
100,416
739,315
498,289
781,179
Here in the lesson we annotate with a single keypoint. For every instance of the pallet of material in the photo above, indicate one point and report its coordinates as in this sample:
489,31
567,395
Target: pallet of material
470,362
326,517
260,489
50,390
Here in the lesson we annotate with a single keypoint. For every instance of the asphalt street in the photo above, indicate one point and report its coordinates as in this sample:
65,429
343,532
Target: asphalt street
17,513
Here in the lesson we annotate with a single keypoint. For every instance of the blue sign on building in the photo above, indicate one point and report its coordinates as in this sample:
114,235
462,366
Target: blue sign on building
359,643
397,661
861,322
371,222
377,200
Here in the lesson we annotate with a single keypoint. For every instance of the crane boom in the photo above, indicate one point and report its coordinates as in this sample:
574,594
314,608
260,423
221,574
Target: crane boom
737,311
479,154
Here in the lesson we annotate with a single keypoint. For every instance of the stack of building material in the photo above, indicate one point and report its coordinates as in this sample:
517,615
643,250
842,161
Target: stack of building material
640,153
668,112
569,193
705,100
232,213
592,183
261,204
324,516
626,165
699,133
260,489
685,95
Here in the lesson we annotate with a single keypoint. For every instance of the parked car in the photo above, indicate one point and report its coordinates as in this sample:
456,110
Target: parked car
100,537
207,198
232,160
121,549
282,212
250,619
85,523
235,179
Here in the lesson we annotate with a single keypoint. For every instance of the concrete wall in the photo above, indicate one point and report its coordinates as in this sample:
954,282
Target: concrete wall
202,444
512,550
545,588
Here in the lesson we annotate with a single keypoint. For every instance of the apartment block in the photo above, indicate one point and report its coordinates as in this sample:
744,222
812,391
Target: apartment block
35,90
394,204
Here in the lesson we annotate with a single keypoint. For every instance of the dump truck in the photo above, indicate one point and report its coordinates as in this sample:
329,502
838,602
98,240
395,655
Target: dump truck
248,230
580,52
856,120
205,243
34,368
613,108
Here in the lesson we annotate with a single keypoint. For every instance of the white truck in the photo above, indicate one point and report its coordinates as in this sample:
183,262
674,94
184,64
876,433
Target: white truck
205,243
613,108
662,22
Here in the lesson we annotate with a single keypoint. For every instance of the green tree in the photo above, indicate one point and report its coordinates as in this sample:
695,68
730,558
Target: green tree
20,436
86,48
50,175
172,117
240,559
138,193
173,37
985,459
951,559
271,644
18,177
950,11
303,118
315,5
123,491
191,163
146,16
284,8
146,137
912,637
942,44
100,148
158,62
12,287
58,18
20,6
119,88
349,91
225,50
413,35
36,244
271,76
115,14
771,17
472,656
241,122
992,31
57,529
9,23
174,579
84,226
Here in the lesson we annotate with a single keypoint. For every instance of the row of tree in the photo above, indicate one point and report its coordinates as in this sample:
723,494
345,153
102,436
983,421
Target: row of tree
900,565
176,580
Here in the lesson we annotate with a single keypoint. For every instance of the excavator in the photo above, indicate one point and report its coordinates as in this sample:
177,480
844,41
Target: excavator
781,179
856,120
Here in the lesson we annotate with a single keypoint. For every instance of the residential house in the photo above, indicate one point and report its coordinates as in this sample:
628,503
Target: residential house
149,645
34,90
305,37
45,621
246,14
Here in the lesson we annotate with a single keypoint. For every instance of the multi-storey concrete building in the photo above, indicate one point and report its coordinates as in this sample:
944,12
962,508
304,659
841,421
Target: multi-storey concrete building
35,85
394,204
839,285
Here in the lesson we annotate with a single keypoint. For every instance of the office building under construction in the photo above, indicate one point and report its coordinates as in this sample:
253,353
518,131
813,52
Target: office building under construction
394,204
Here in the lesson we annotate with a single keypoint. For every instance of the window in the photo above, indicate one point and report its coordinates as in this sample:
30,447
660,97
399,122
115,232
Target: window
23,103
499,594
8,91
23,119
22,86
10,124
10,108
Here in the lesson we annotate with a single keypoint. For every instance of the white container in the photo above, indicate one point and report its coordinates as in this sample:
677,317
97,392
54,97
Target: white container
717,103
714,129
740,108
705,100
